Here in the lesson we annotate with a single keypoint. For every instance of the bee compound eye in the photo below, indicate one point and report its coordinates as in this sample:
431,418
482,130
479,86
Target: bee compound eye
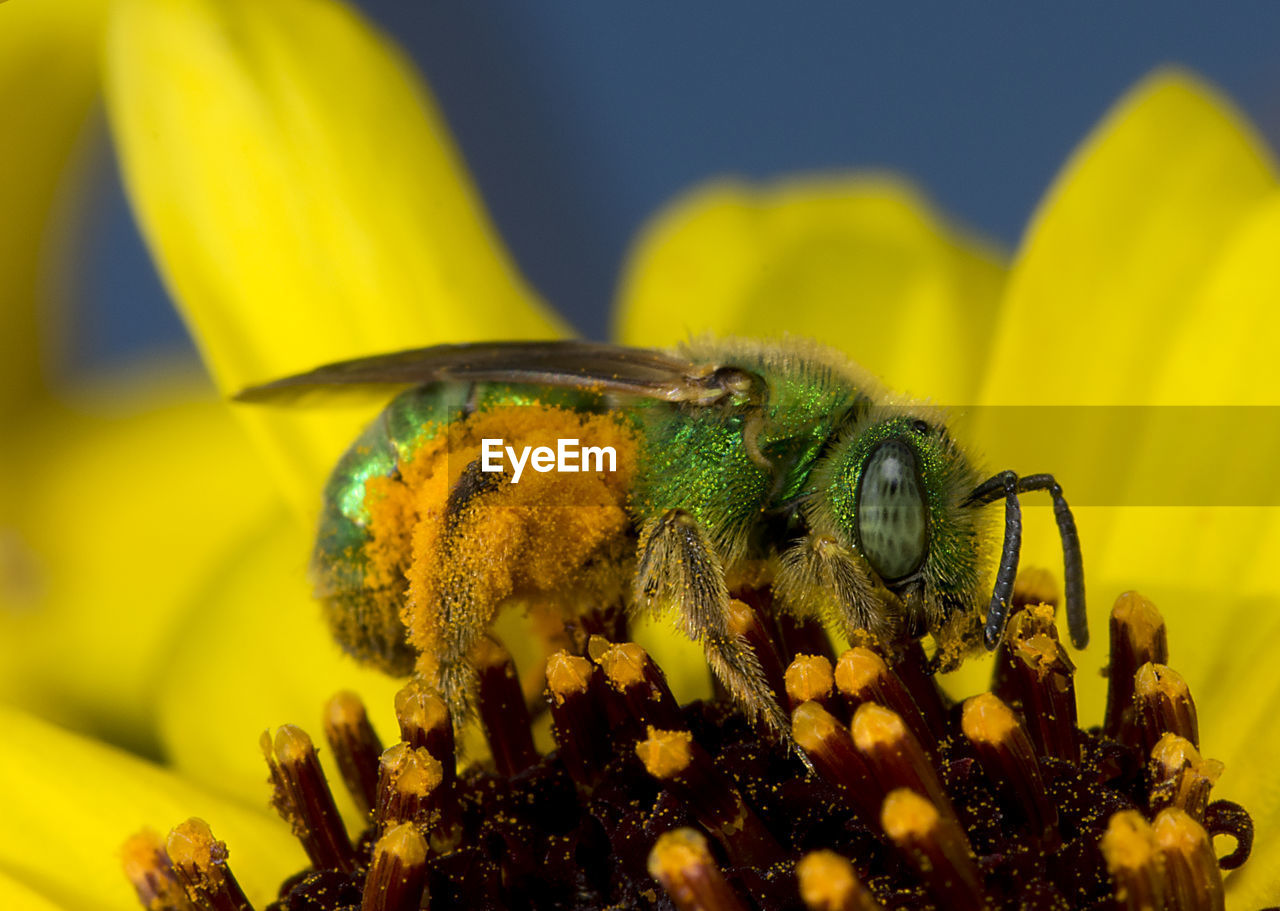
892,518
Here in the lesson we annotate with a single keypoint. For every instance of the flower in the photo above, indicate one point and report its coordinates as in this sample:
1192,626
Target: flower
294,227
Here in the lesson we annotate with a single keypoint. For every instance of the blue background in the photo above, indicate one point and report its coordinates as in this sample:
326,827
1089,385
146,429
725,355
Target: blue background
579,119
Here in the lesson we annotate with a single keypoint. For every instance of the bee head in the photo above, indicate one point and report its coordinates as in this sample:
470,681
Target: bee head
894,489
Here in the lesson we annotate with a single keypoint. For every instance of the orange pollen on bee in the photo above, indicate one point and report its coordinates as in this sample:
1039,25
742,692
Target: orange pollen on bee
532,539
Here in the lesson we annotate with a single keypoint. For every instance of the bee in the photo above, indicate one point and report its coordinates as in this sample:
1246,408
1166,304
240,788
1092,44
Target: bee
743,461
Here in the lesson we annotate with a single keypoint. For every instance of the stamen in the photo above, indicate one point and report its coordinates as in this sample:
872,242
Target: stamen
1133,861
576,828
302,797
408,779
913,669
1005,751
643,687
424,722
681,862
607,622
1038,679
567,676
581,729
1192,879
1138,637
686,770
863,676
1180,778
896,758
828,883
503,713
1034,585
355,747
398,873
809,678
917,673
830,746
803,636
1163,704
200,864
147,866
624,728
746,622
937,848
1026,621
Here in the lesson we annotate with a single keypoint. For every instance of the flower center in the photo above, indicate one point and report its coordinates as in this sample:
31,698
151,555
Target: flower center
890,797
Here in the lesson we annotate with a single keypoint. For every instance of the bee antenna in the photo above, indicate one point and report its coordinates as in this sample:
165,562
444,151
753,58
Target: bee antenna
1005,484
1008,485
1072,562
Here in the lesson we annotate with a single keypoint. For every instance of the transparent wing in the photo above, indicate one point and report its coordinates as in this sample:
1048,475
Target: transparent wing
641,372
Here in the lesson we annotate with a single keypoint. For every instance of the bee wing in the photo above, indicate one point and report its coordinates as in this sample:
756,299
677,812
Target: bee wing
642,372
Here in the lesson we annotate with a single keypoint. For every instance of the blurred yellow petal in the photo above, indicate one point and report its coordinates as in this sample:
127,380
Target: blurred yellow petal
69,802
861,263
1237,690
303,200
1222,350
1221,356
255,654
1119,247
17,897
48,80
1106,284
115,524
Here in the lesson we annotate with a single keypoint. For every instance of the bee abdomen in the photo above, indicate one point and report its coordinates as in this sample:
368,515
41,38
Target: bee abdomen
366,623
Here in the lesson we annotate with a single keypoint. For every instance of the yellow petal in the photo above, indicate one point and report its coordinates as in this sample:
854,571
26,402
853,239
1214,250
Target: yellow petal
1222,349
256,654
1118,248
1220,354
48,79
112,526
1237,693
861,263
302,198
69,803
1108,281
18,897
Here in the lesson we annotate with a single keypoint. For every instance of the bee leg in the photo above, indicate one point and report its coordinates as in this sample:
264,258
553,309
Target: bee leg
819,575
956,636
679,567
463,620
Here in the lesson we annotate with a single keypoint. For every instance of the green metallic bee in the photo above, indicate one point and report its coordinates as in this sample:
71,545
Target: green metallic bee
780,461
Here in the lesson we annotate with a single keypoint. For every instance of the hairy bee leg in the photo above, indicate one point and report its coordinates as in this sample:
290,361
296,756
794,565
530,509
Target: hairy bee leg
679,567
819,575
463,619
954,639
